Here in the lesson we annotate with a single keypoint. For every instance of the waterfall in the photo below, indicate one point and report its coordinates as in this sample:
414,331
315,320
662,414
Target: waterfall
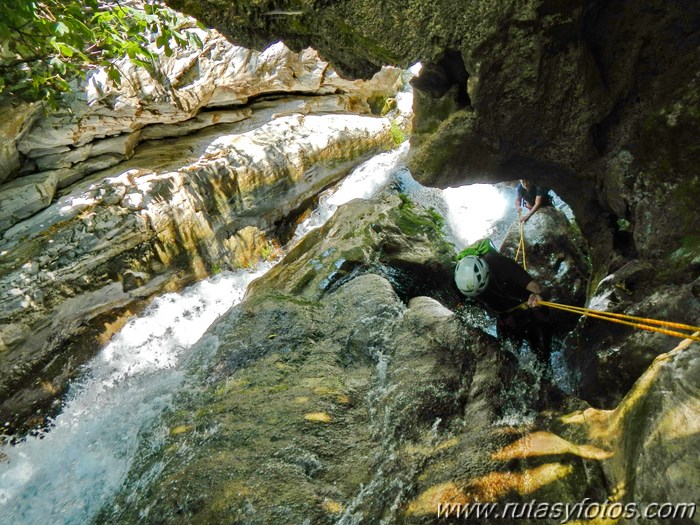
67,473
364,182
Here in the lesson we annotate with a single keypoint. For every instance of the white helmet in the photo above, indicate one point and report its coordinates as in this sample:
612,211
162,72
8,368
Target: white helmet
472,275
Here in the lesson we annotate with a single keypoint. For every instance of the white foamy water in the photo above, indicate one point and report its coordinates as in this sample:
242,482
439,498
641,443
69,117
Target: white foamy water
64,476
474,209
471,212
363,183
68,473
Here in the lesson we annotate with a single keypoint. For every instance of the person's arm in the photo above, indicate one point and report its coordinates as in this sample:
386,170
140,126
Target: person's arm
535,289
538,204
518,199
515,279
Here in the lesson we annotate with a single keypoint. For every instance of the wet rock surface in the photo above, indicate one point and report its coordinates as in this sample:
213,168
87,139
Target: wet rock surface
208,177
356,403
351,386
580,97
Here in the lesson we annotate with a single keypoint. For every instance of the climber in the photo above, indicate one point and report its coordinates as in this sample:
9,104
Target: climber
532,196
510,294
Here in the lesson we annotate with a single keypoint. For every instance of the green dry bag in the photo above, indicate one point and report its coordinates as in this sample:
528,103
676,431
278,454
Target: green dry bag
480,247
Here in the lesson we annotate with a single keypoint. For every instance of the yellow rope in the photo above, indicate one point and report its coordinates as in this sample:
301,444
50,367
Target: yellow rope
626,320
522,242
622,316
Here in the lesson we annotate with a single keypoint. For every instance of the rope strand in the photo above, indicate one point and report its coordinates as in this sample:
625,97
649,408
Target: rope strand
627,320
521,244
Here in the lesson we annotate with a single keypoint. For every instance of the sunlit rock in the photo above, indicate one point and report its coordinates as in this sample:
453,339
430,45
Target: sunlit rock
176,211
169,177
506,93
15,120
651,436
351,243
348,385
24,197
218,76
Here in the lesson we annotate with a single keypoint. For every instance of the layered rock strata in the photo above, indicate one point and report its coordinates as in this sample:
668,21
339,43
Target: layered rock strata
202,176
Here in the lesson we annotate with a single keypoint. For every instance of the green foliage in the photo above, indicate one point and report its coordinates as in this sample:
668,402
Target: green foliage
415,220
267,251
397,134
431,213
438,219
44,45
406,201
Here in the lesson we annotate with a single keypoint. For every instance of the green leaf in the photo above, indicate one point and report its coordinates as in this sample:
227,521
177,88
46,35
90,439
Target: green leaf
61,28
114,75
58,65
61,84
194,40
142,63
70,37
76,26
65,49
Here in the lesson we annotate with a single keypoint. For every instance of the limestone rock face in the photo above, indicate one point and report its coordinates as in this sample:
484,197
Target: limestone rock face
214,211
397,244
102,124
598,101
24,197
344,389
14,121
169,181
667,427
652,436
219,75
610,357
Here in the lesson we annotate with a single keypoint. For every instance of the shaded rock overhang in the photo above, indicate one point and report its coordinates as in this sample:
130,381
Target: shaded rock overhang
595,99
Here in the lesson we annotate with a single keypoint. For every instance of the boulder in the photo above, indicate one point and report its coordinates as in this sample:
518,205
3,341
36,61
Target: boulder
555,256
340,394
651,437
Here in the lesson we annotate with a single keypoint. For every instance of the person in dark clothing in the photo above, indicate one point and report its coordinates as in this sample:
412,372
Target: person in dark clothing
510,294
532,197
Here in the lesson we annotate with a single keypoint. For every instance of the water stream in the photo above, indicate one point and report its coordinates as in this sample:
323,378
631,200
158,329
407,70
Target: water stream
69,471
66,474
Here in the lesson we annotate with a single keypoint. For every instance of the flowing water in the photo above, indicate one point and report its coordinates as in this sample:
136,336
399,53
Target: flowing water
66,474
